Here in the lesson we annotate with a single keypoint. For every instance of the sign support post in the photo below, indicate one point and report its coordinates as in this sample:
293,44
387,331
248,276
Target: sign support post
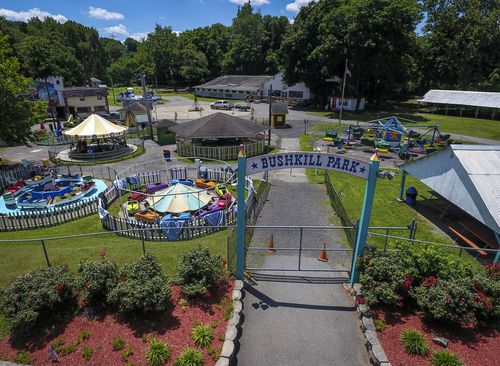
366,211
240,214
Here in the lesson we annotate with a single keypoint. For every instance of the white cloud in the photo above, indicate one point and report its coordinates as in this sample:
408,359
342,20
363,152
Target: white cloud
297,4
291,20
253,2
100,13
139,36
24,16
119,29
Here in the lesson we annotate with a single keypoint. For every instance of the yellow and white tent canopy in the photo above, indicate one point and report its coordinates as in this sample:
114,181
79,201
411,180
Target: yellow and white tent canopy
95,125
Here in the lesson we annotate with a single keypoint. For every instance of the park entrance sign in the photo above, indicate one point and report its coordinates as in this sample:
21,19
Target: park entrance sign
359,168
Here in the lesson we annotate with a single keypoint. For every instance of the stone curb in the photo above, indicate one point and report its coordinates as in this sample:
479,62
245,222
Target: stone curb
233,327
373,346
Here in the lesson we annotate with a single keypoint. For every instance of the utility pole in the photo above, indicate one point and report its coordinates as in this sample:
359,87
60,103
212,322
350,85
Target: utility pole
343,89
145,97
270,114
113,89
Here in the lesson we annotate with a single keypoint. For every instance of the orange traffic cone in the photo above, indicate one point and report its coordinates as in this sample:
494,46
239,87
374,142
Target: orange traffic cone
322,254
270,245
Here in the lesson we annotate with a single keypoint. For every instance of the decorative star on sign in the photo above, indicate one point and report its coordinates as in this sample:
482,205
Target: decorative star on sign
362,170
254,165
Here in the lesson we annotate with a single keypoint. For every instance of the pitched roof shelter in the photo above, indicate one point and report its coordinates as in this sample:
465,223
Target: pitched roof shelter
237,82
218,125
463,98
84,91
466,175
134,107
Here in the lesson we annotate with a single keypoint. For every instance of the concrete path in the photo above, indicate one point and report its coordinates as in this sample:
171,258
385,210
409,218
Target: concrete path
298,318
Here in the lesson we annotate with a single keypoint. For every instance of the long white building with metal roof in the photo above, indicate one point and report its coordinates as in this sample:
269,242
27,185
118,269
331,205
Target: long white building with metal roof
460,98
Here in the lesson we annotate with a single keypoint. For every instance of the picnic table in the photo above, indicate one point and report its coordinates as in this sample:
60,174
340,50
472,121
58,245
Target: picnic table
482,233
468,241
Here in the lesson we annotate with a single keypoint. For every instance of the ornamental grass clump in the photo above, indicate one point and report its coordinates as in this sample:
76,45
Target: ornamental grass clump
142,287
96,280
158,353
202,335
445,358
414,342
37,297
199,273
189,357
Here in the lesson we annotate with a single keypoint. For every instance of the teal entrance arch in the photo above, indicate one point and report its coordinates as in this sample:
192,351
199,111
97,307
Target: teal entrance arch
359,168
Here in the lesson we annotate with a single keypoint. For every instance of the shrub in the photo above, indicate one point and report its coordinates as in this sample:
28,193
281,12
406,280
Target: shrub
414,342
96,280
381,280
87,353
379,325
142,287
449,301
202,335
189,357
118,344
199,272
445,358
37,296
22,357
486,294
126,354
158,353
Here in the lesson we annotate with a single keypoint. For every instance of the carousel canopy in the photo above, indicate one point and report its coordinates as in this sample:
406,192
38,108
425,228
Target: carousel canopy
179,198
218,125
95,125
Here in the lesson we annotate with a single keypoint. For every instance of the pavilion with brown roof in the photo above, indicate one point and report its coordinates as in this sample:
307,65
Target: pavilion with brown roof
218,136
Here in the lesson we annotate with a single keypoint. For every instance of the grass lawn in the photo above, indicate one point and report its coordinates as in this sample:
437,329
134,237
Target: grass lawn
467,126
18,258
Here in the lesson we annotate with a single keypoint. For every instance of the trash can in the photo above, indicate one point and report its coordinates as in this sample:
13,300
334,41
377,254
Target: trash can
166,154
411,196
203,172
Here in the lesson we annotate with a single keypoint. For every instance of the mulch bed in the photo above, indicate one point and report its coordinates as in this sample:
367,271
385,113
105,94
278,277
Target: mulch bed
478,347
172,327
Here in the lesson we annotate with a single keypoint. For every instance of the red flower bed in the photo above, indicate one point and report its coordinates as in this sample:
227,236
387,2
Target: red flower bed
172,327
476,347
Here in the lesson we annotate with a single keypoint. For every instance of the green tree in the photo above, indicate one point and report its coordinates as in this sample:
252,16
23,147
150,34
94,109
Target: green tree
377,36
245,54
17,114
125,70
161,47
192,65
461,43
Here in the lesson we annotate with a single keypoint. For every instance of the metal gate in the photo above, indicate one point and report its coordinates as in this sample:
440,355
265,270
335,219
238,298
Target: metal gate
298,248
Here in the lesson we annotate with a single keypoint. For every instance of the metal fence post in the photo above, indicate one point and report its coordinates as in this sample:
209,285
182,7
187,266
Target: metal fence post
300,246
45,253
386,238
143,246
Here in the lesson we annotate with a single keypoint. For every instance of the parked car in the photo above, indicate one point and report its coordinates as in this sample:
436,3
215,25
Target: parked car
243,107
222,104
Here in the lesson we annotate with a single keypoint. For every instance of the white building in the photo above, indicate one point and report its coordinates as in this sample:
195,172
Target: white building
241,86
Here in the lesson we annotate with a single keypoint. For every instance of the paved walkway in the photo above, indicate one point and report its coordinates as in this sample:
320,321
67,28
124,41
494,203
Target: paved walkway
298,318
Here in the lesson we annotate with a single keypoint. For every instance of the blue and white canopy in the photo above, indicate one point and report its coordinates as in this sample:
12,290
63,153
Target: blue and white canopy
179,198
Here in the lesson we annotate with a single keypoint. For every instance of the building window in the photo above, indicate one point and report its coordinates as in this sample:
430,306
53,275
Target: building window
83,110
296,94
99,108
82,99
99,97
57,82
221,90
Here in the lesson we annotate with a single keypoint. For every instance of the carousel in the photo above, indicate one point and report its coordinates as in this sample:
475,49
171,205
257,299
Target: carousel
97,138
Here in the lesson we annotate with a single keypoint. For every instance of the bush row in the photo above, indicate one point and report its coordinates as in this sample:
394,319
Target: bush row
138,287
445,288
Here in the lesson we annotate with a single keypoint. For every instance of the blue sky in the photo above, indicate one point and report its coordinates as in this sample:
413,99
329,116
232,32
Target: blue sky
135,18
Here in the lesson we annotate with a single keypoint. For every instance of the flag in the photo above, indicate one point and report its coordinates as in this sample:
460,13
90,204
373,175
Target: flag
336,79
347,71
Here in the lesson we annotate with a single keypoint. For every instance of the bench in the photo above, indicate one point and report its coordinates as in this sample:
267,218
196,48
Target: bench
485,236
468,241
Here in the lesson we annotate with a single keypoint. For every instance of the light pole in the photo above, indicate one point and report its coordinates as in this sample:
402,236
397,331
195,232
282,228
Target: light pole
270,92
145,97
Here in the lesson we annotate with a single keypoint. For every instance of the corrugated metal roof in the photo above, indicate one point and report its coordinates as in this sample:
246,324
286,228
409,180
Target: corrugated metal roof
466,175
460,97
237,82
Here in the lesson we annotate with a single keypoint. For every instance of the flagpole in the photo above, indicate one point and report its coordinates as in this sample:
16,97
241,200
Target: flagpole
343,89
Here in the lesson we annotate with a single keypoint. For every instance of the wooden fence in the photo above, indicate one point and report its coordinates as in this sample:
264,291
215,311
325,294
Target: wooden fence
34,219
